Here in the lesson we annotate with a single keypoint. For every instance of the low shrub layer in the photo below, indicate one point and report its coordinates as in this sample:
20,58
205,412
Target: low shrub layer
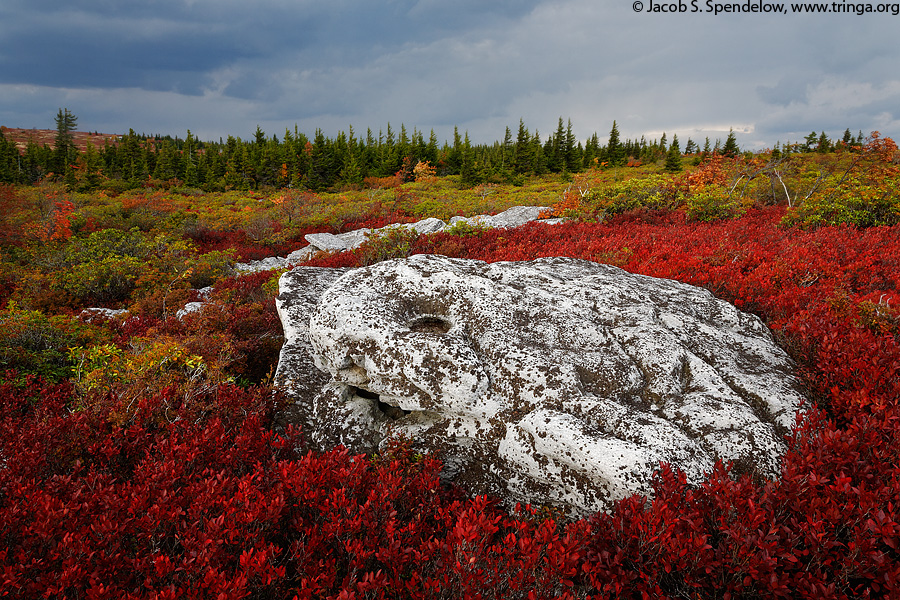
202,499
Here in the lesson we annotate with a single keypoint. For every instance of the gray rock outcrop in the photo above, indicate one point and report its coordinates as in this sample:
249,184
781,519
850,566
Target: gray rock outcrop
556,381
341,242
508,219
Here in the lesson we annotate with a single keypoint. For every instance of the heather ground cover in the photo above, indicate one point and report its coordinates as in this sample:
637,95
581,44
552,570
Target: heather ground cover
139,457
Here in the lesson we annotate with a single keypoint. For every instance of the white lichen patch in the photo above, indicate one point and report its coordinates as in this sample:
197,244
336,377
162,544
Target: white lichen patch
552,381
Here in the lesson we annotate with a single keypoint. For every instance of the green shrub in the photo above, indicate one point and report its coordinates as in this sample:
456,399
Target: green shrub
393,242
33,343
712,203
849,200
464,229
631,194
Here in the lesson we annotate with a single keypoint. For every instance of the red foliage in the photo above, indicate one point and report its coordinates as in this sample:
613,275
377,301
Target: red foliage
245,248
222,507
237,326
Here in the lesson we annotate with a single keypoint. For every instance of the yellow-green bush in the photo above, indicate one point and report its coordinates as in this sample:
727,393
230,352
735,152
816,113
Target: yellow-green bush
110,378
32,342
712,203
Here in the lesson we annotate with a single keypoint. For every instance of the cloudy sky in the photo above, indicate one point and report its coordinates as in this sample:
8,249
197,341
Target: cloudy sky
222,67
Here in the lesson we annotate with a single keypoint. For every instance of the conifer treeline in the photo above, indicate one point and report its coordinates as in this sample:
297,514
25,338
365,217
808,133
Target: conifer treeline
323,163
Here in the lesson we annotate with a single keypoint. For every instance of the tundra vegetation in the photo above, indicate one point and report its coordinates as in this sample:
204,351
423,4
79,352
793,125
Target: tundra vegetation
140,456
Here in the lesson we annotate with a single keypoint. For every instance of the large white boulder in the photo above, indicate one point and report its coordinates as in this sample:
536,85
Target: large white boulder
555,381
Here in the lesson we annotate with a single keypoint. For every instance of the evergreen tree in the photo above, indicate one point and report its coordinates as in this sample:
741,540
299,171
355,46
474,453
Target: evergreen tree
848,137
506,149
35,162
455,154
571,153
404,139
64,148
132,162
811,142
431,149
522,159
9,161
91,164
322,167
673,156
554,149
167,163
468,176
538,163
591,151
731,146
615,152
191,174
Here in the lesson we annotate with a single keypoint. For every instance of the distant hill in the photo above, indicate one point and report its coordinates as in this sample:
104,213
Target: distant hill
21,137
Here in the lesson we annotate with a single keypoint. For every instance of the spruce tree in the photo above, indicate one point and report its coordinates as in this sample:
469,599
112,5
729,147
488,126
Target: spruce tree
673,157
467,171
615,152
591,151
506,149
191,175
811,141
522,153
731,147
571,150
555,149
9,161
64,150
538,161
690,147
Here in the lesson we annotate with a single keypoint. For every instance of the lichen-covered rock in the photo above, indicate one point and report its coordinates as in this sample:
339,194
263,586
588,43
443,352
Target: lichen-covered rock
508,219
299,291
423,227
556,381
268,263
350,240
101,314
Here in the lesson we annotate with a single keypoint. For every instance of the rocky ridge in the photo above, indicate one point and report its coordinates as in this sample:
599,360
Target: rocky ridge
328,242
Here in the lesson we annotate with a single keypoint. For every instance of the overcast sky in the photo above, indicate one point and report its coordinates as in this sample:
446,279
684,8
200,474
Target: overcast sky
222,67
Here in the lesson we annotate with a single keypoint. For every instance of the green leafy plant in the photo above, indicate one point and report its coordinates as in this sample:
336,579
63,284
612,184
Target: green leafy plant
712,203
393,242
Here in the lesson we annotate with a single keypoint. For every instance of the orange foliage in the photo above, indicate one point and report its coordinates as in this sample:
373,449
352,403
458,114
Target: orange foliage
571,203
381,183
710,172
423,171
56,226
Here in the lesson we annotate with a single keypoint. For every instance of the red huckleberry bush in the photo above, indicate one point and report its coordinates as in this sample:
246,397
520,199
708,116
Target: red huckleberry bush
213,503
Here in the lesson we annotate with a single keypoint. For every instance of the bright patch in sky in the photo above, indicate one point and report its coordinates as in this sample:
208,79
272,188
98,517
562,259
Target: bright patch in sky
224,67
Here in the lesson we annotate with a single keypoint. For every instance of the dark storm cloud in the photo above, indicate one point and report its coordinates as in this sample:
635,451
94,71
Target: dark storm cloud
222,67
175,45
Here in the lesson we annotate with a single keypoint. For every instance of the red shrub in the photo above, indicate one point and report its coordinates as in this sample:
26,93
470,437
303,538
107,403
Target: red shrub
222,507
